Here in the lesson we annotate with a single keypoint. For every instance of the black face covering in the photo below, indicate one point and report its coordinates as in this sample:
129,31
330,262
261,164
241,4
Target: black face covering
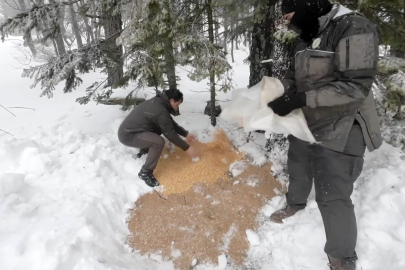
305,20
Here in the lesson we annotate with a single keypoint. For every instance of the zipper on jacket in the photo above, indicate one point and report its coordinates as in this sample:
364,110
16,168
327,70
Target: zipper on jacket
368,131
347,53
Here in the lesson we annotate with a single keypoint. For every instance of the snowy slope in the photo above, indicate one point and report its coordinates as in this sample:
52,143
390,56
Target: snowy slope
66,184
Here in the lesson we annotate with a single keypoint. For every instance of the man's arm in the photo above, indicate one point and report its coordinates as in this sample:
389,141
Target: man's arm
168,127
356,56
179,129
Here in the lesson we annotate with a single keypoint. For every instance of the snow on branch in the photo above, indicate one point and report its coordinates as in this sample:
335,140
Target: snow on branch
64,68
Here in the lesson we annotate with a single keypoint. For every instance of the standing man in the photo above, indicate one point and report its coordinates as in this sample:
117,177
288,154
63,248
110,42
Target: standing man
144,125
330,79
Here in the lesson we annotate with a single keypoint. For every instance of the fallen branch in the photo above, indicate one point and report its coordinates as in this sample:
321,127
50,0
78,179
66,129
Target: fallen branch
160,196
7,132
7,110
21,108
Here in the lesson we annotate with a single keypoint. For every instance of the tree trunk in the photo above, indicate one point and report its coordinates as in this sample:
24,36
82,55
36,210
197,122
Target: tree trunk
112,27
225,35
262,40
27,36
282,55
59,36
208,8
397,51
62,26
23,8
75,25
55,47
89,30
28,42
199,21
232,41
170,63
60,44
216,27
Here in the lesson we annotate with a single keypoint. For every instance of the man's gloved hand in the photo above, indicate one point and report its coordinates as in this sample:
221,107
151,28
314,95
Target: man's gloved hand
287,103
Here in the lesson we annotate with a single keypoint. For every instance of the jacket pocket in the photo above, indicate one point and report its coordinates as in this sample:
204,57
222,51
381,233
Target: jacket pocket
356,52
320,66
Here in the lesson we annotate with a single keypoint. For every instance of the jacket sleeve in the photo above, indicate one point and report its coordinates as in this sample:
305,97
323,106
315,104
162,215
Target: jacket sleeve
356,44
168,127
179,129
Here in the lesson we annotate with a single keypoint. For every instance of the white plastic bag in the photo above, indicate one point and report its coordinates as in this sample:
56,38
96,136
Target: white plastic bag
249,108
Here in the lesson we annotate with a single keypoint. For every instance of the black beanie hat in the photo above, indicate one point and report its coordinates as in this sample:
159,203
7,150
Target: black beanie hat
306,15
321,7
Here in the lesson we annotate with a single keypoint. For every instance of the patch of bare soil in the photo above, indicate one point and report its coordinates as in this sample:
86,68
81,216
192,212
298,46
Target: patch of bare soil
207,220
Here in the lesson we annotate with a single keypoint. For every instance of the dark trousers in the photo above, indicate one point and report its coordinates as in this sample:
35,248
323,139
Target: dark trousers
333,174
147,142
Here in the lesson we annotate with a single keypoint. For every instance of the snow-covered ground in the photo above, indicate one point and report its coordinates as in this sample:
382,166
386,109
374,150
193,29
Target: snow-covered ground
66,184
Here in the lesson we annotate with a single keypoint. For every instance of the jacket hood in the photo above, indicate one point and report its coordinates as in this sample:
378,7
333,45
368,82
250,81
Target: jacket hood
337,12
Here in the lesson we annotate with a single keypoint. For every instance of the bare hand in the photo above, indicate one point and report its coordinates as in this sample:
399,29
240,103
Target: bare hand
191,139
192,152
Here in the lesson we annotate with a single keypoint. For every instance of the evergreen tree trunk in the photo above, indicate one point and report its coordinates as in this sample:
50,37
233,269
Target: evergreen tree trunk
60,44
282,55
232,41
262,40
112,27
225,35
55,47
208,8
89,30
28,42
59,36
23,8
216,27
198,12
170,63
397,51
27,36
75,25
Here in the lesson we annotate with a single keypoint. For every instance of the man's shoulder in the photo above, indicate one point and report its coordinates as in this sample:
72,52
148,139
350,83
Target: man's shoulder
355,21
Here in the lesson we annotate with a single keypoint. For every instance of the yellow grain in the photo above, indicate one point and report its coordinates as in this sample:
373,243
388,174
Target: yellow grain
178,173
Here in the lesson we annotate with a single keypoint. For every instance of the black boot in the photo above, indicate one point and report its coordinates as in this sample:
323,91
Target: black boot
336,264
149,179
284,213
139,155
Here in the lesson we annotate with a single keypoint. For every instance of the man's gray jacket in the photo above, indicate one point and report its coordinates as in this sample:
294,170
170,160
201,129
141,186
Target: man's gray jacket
153,115
336,71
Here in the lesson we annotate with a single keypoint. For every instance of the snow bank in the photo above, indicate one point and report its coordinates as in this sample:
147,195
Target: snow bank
63,199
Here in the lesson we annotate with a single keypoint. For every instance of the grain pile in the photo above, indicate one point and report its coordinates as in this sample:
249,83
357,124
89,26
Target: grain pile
178,173
204,222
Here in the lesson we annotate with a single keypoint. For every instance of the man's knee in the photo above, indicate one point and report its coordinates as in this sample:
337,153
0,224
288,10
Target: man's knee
158,142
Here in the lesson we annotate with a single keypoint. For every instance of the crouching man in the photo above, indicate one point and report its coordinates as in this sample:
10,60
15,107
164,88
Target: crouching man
145,124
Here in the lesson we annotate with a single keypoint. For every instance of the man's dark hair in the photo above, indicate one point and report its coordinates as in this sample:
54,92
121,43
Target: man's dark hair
174,94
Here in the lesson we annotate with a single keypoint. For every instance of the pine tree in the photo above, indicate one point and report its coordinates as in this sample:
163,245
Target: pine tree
262,40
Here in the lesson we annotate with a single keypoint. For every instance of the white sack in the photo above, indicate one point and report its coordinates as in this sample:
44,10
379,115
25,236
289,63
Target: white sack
249,108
